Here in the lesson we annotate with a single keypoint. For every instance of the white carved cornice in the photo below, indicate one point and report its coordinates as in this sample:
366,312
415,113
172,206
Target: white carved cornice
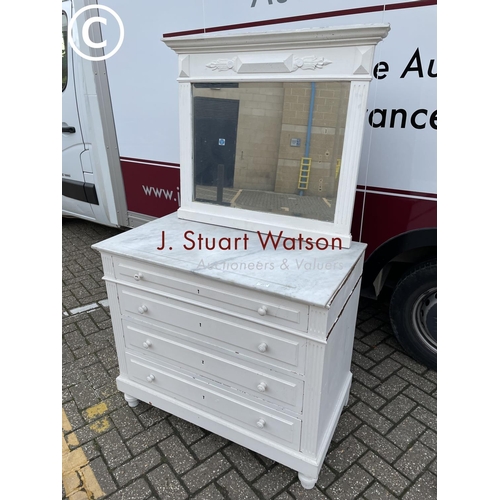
343,36
341,53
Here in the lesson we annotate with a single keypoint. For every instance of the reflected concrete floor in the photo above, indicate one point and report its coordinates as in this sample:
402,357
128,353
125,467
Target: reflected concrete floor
309,207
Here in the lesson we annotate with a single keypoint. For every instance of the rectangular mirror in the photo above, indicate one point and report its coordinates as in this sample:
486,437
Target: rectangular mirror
275,147
271,125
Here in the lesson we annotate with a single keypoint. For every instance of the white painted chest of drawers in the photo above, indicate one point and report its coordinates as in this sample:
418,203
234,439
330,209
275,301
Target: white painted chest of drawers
252,344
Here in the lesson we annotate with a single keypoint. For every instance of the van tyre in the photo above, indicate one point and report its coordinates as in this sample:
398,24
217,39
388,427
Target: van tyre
413,312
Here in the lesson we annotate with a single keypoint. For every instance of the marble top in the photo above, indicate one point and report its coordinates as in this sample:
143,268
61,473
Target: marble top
241,258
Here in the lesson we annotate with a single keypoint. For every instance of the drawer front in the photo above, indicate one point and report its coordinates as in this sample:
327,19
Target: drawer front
261,421
259,343
275,388
253,305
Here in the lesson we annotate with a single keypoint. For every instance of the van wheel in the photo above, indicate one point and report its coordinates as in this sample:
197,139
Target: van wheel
413,313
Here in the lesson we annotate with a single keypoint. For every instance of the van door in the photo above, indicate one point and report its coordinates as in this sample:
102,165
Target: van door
78,196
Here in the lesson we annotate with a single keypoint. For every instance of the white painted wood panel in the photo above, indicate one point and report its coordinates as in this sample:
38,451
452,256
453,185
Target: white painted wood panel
262,384
337,375
261,421
256,306
262,343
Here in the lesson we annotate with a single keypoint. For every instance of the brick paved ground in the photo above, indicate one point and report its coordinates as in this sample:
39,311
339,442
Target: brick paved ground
384,447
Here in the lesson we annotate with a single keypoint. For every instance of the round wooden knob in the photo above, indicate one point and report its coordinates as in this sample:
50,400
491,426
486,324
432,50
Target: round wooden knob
262,386
147,344
150,378
261,423
138,276
262,347
143,309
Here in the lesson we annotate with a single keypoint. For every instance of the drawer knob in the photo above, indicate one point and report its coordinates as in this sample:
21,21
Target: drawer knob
262,310
147,344
262,387
150,378
143,309
138,276
262,347
261,423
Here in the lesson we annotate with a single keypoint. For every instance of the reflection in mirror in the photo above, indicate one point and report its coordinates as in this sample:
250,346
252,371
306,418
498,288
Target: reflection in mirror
272,147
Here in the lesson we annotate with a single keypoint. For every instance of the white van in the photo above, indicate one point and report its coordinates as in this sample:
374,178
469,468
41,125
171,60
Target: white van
120,136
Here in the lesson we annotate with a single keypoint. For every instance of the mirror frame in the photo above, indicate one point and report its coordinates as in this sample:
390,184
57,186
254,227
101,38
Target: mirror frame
308,55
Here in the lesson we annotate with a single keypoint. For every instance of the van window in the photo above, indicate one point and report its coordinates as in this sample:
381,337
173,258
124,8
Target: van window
64,50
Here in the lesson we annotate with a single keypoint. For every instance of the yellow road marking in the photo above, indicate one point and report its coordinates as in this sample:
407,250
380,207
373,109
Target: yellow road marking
78,478
100,425
97,410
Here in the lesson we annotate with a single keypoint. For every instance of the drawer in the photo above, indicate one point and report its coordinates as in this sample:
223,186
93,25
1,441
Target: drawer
261,421
236,335
236,300
269,386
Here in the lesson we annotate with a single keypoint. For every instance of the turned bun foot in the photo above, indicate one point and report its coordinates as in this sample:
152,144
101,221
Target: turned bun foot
307,482
132,402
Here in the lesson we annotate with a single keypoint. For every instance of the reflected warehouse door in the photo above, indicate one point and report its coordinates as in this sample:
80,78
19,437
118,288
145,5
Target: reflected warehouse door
215,130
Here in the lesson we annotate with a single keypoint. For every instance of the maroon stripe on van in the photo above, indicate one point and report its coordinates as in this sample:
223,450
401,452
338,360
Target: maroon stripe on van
400,192
307,17
150,189
378,218
153,162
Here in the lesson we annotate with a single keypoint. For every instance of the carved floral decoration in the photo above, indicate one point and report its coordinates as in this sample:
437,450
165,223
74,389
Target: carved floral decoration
222,64
305,63
309,62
